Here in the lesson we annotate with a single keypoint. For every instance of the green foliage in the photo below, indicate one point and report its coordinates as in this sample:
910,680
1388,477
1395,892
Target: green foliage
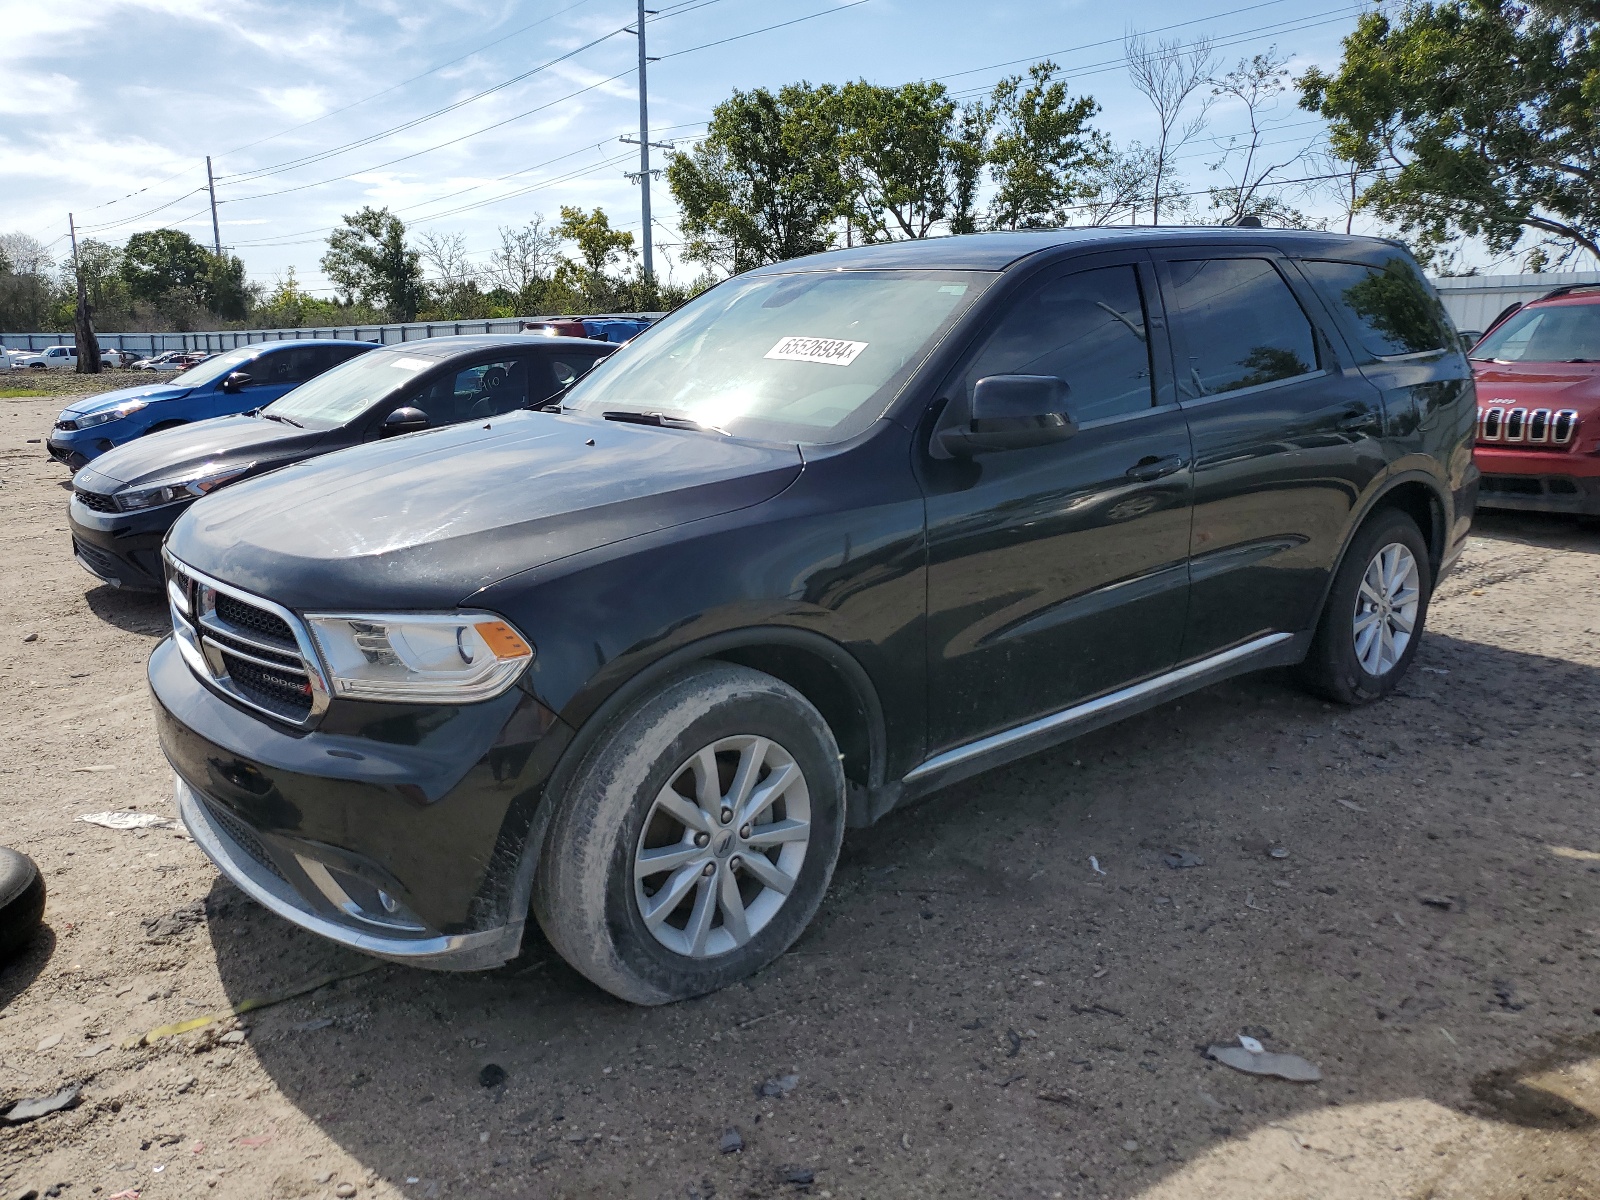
369,261
598,244
159,262
1483,115
1044,152
764,184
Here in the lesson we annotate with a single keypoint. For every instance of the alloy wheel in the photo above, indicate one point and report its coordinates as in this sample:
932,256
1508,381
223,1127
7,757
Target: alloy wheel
722,846
1386,609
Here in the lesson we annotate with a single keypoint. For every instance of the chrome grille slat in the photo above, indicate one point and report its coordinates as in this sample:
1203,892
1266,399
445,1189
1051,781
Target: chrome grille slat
1527,427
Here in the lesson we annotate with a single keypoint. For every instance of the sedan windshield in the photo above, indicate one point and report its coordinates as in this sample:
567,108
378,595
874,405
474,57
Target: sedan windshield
811,358
1558,333
215,368
337,396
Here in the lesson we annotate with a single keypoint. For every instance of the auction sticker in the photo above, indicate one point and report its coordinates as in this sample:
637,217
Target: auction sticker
834,351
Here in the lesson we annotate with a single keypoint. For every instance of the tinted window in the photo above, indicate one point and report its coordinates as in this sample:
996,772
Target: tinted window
1242,326
569,366
290,366
1088,329
472,393
1390,307
1558,333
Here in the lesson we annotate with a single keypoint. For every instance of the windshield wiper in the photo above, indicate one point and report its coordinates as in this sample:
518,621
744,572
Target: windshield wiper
272,416
662,420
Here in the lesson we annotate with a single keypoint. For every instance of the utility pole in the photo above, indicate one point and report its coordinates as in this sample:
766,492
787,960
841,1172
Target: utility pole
216,232
88,347
644,144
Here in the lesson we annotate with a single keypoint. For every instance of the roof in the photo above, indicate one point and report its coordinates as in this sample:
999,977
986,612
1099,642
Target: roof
445,347
997,251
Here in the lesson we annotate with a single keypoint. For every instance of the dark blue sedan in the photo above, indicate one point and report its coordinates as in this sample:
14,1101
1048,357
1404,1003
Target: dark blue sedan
236,381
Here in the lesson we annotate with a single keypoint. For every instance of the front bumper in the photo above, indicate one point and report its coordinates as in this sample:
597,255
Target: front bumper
396,830
77,448
1530,481
122,549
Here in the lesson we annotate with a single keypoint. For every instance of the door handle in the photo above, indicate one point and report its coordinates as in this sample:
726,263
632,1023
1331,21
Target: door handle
1358,419
1150,467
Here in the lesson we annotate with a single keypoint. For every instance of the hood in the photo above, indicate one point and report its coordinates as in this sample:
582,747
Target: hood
166,455
1538,385
425,520
150,391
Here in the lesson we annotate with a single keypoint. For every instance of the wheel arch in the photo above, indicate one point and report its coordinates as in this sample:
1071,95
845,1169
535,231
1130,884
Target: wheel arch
1415,493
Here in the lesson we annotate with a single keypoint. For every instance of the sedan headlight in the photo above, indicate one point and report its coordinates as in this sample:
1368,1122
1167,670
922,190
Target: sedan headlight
126,408
439,658
170,491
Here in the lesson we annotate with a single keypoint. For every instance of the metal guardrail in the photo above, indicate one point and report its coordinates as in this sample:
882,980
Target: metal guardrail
227,339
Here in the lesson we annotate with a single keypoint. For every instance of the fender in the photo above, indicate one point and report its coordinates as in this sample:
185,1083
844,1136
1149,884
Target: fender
863,801
1359,518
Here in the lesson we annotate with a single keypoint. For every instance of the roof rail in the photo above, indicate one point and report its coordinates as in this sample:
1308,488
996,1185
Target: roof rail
1569,289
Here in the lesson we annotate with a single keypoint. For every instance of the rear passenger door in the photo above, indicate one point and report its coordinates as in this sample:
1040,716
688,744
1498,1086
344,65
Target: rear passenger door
1286,440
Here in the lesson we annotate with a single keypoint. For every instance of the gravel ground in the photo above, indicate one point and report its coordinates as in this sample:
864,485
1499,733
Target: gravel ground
976,1010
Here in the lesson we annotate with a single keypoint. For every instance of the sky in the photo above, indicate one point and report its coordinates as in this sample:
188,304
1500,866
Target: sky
463,116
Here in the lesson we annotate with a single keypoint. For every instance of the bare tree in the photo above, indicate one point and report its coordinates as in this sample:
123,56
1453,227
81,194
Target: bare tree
1255,178
25,255
1168,74
527,255
446,255
1336,181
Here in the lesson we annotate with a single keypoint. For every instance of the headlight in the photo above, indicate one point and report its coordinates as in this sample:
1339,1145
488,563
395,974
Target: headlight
442,658
171,491
126,408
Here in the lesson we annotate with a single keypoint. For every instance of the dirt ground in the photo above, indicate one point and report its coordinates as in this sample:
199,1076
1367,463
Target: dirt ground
976,1010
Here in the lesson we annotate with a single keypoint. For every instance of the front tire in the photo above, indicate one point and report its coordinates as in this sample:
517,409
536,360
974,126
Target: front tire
1372,623
697,838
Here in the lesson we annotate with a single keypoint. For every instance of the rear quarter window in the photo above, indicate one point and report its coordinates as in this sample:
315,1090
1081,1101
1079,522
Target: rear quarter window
1390,308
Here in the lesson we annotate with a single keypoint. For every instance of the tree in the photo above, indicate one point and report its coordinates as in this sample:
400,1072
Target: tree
1043,153
764,184
598,244
1123,182
160,262
1251,175
910,158
23,254
525,261
1487,114
1168,74
368,260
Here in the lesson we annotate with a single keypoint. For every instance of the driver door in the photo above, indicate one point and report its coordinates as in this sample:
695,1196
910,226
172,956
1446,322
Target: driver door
1060,572
483,388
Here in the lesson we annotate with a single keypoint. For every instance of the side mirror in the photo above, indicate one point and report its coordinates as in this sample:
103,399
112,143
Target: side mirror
1012,412
234,381
403,420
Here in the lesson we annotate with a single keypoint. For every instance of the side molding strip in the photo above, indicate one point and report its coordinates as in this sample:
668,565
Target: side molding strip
1055,722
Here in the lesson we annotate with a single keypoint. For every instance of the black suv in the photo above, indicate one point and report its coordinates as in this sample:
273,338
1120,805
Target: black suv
837,533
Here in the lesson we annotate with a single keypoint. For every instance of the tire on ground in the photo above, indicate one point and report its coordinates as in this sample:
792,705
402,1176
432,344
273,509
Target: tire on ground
21,901
1331,668
583,894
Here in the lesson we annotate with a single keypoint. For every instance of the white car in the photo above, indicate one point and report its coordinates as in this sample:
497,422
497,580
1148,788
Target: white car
62,358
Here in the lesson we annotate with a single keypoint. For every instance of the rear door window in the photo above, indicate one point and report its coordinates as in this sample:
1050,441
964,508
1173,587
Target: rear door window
1242,326
1390,308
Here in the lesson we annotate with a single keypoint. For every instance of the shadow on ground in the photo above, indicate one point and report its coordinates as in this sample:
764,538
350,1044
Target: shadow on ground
976,1010
144,613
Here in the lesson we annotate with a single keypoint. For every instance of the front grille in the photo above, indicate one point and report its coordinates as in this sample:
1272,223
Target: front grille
252,619
102,562
244,836
96,501
1500,425
244,648
284,693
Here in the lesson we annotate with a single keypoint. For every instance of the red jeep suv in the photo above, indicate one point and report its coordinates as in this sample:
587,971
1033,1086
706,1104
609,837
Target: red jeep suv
1538,377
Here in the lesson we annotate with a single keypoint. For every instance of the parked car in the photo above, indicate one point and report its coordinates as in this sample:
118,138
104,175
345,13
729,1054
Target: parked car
60,358
1538,375
169,360
123,358
836,533
246,378
600,329
125,501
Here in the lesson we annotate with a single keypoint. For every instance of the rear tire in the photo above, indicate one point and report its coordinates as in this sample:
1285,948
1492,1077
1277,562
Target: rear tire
21,901
696,839
1372,623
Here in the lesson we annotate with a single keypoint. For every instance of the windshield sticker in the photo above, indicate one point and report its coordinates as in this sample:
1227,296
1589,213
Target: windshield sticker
412,364
833,351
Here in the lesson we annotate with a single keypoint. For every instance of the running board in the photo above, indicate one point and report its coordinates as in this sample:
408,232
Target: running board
1021,740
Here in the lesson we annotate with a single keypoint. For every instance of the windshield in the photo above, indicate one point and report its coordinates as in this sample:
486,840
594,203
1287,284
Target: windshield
348,390
810,358
214,369
1558,333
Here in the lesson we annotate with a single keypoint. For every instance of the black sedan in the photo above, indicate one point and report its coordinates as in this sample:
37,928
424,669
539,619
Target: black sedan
126,500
